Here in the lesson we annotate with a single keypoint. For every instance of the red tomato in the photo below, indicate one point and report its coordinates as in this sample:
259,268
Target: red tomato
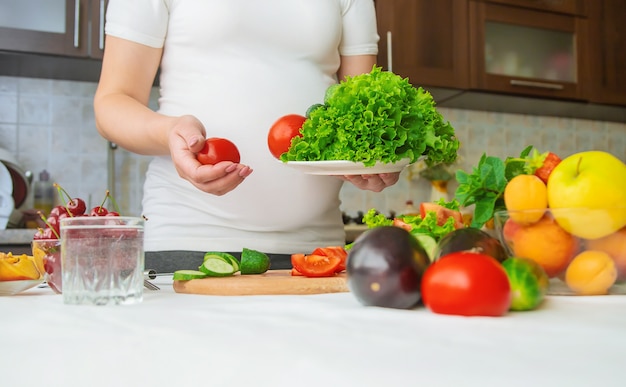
282,131
549,163
218,149
467,284
313,265
334,251
402,224
443,214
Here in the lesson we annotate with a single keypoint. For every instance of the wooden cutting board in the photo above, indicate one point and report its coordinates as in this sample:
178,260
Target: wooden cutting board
271,282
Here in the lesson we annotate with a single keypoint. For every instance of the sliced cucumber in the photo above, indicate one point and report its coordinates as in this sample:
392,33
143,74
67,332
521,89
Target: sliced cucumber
217,267
229,258
186,275
428,243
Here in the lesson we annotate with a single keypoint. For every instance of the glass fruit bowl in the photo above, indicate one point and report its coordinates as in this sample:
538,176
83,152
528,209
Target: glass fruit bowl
583,250
49,250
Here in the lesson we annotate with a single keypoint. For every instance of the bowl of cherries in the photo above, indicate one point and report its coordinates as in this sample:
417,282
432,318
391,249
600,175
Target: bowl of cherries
46,241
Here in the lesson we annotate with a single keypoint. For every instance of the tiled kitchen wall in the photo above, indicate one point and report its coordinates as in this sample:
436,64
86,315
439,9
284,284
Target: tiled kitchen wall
49,124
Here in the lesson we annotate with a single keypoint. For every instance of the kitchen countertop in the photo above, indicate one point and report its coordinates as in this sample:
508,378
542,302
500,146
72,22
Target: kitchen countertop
314,340
17,236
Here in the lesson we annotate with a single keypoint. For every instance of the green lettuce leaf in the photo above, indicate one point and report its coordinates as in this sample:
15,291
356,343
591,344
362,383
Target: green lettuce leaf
377,116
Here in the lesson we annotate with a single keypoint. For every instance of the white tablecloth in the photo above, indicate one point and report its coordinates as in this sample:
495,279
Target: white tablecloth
321,340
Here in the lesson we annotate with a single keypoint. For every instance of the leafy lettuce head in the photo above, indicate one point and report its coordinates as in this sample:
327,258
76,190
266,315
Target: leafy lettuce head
377,116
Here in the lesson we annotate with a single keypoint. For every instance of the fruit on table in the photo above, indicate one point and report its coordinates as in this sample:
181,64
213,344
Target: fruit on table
615,246
529,283
46,244
591,273
545,242
282,131
218,149
471,239
467,284
385,267
591,179
18,267
525,192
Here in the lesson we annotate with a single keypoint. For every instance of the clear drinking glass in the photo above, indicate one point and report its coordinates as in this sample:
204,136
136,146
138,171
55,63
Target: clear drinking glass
102,259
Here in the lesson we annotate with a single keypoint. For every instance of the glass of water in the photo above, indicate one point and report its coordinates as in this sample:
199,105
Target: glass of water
102,259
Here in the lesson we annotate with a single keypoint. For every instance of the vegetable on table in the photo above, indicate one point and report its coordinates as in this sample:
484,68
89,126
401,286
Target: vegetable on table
467,284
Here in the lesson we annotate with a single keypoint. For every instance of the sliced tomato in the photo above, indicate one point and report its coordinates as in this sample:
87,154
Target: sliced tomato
295,272
402,224
443,214
313,265
334,251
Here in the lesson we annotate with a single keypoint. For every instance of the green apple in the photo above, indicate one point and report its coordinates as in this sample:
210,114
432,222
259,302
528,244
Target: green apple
591,185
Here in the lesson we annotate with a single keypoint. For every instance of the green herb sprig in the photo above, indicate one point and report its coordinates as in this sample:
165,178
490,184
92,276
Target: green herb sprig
484,186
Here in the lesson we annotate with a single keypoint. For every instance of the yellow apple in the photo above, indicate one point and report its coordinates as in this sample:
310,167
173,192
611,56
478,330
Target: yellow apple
592,186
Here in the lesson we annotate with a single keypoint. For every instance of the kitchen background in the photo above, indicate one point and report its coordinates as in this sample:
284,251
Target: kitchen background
49,124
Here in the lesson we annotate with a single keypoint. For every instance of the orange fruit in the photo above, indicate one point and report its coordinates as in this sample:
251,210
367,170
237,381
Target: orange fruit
591,273
526,198
615,246
544,241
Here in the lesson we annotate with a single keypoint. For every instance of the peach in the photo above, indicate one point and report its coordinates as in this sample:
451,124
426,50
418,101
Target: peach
615,246
545,242
591,273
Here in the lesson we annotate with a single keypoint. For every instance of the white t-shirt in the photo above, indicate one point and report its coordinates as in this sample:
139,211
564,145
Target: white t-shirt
239,65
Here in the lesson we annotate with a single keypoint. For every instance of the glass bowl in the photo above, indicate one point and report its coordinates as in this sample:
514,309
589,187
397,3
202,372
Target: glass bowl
583,250
49,250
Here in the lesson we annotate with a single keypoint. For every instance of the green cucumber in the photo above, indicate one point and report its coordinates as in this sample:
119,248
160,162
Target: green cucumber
217,267
254,262
229,258
186,275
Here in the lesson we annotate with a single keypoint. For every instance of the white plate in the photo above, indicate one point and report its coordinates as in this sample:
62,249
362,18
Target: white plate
9,288
341,167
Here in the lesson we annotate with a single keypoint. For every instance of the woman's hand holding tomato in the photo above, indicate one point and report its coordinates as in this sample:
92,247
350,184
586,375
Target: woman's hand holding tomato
467,284
186,139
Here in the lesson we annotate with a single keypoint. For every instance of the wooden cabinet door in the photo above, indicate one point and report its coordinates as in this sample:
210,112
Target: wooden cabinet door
45,27
572,7
608,51
527,52
424,40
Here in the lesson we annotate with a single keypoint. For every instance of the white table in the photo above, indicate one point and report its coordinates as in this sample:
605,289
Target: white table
321,340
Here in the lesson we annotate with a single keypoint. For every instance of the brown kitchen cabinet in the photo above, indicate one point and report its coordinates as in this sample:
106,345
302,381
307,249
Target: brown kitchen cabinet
70,28
425,40
525,51
607,19
572,7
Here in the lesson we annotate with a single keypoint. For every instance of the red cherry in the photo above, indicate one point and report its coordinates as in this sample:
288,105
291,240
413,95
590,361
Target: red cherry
58,210
45,233
98,211
77,206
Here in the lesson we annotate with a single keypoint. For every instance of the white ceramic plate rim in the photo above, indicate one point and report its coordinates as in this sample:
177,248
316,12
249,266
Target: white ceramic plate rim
343,167
9,288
